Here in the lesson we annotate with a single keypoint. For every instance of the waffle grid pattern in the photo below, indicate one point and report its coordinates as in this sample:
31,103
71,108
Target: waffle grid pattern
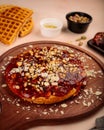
12,20
26,28
8,30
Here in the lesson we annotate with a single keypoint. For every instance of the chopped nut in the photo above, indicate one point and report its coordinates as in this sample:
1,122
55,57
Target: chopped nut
84,83
3,67
26,89
17,111
17,104
4,85
31,52
92,101
45,113
91,91
84,103
44,74
19,63
56,110
83,37
98,93
80,43
76,101
51,110
54,83
31,70
64,105
27,118
62,112
27,74
25,84
86,91
89,103
17,86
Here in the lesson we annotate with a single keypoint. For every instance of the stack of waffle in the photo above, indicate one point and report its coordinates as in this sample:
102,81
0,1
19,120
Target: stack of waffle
14,21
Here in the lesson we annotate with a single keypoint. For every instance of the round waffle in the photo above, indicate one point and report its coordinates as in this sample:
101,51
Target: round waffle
45,75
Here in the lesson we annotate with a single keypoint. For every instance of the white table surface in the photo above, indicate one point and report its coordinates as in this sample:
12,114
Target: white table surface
58,9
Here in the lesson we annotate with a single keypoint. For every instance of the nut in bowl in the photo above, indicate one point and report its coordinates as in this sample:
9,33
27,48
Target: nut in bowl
78,22
50,27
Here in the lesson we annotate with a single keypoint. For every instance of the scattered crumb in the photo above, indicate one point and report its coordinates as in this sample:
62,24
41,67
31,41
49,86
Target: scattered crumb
62,112
56,110
4,85
81,38
86,91
31,46
17,104
51,110
80,97
76,101
92,100
8,99
17,112
3,99
23,108
97,93
80,43
27,118
25,48
84,103
89,103
71,102
45,112
64,105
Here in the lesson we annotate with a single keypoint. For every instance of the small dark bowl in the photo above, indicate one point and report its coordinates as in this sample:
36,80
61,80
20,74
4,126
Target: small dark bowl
76,26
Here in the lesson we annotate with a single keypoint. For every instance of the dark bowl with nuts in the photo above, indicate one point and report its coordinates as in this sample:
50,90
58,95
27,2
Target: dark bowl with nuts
78,22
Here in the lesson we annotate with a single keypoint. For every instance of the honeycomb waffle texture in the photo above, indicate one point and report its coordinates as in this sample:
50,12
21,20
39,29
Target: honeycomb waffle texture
12,19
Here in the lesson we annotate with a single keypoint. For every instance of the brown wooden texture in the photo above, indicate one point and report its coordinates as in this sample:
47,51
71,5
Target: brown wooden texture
19,114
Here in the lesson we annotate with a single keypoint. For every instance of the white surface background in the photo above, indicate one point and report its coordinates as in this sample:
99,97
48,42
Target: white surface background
58,9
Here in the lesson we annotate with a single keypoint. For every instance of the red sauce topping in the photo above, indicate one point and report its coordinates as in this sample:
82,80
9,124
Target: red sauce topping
45,71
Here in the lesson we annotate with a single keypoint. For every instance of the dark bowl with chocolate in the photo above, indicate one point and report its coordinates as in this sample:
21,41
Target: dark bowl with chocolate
97,42
78,22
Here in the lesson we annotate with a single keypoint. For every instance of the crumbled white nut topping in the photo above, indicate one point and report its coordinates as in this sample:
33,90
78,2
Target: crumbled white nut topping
64,105
98,93
62,112
16,86
56,110
84,103
76,101
86,91
45,112
4,85
17,104
27,118
17,112
88,104
51,110
19,63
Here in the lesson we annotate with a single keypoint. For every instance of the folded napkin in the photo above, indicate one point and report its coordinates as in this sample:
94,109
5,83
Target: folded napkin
99,122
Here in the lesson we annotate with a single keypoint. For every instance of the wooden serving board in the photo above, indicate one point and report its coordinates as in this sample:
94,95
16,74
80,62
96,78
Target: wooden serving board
19,114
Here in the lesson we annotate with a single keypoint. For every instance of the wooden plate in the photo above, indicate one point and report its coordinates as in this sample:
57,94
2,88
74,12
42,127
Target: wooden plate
19,114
